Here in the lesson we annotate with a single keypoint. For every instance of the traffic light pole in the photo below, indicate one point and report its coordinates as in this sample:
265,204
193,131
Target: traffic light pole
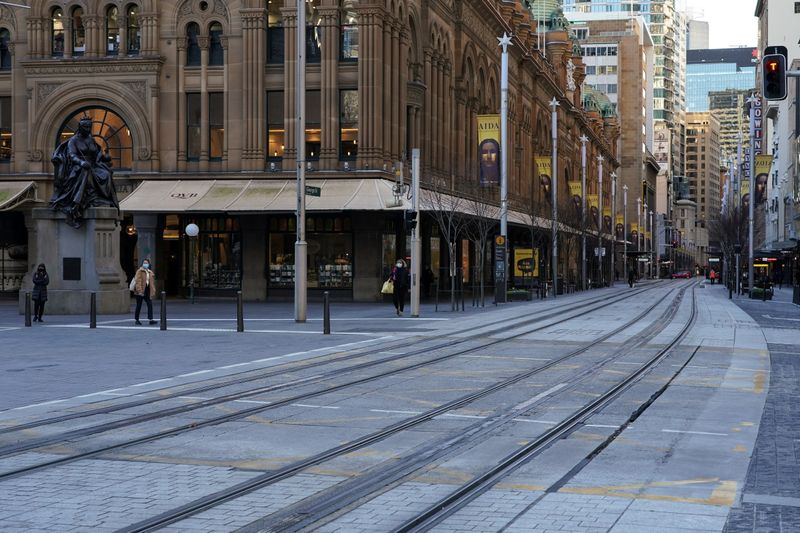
416,245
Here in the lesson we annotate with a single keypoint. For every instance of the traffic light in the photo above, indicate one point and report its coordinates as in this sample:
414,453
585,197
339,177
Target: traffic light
410,219
774,75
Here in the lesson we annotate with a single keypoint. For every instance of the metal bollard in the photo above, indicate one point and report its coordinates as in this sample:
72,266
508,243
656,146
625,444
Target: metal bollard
93,310
27,309
163,314
764,292
326,313
239,312
730,291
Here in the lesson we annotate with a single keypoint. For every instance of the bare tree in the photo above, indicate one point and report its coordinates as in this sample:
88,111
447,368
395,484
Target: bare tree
448,211
730,230
569,233
483,221
534,216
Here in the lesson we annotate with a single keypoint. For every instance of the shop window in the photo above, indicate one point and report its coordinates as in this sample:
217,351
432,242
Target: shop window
216,54
192,45
78,32
5,129
274,33
348,124
216,125
109,130
275,129
112,31
134,31
330,251
57,32
389,247
192,126
349,31
313,122
219,257
5,52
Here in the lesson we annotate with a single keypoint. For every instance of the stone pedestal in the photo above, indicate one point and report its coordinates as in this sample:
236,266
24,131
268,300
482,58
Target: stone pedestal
79,262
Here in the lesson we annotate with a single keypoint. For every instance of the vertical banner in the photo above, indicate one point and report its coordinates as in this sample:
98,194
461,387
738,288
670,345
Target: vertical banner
763,166
607,219
744,191
619,227
575,193
634,233
489,149
544,165
591,201
526,262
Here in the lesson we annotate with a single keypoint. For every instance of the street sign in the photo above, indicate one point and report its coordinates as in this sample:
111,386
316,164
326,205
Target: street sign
500,269
313,191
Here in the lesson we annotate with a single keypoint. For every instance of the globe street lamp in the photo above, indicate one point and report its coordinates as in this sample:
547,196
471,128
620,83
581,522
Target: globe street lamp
192,231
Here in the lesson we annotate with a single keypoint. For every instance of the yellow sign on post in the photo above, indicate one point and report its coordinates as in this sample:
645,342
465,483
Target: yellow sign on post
526,262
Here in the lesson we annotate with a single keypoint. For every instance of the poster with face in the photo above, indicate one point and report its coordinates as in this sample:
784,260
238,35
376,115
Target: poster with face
575,193
607,219
489,149
544,166
763,166
744,190
591,199
619,227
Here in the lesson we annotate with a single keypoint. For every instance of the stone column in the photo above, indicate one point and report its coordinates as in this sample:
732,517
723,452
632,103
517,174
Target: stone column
386,95
370,87
155,110
149,23
402,98
122,22
226,105
253,91
67,35
449,130
425,136
395,145
181,122
289,68
329,107
203,42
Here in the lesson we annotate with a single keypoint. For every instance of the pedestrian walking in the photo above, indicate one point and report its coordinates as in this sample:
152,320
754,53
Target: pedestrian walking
712,275
399,277
144,288
40,282
631,277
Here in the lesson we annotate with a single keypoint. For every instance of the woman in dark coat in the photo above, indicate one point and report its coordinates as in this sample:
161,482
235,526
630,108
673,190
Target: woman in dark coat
399,276
40,282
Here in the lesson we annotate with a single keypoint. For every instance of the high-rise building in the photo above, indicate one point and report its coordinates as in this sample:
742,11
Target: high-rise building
697,36
718,69
702,164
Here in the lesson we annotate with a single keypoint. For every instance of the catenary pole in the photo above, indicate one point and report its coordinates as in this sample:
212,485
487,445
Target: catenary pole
300,245
583,140
504,41
416,247
752,202
601,273
554,191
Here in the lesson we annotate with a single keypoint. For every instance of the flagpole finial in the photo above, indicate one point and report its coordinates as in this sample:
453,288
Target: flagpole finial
505,41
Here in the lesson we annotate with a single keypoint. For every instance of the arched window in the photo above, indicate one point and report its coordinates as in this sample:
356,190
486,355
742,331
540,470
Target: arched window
78,32
192,45
216,55
348,21
313,32
5,53
57,32
112,31
274,33
108,129
134,32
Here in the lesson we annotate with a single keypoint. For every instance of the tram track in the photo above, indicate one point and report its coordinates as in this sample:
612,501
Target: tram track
447,445
315,362
40,442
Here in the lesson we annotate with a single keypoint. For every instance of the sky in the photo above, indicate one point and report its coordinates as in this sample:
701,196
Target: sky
731,22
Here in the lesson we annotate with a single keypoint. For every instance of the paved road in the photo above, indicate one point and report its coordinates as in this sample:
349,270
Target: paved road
770,499
679,467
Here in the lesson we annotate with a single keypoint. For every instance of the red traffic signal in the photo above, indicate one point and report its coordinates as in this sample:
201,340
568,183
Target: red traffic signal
773,74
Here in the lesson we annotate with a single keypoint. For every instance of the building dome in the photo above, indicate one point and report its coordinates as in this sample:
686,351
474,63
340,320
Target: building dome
549,12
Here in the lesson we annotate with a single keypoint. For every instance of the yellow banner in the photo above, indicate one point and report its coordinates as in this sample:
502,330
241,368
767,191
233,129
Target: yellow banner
634,228
544,165
744,193
575,188
489,149
647,235
526,262
607,212
591,199
620,219
763,165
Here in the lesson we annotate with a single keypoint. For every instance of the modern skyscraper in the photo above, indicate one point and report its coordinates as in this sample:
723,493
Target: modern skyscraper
718,69
697,36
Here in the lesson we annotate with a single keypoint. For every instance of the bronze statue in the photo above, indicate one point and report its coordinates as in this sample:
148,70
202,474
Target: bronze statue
83,176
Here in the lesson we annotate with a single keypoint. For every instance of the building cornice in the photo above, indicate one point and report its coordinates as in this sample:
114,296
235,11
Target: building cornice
70,67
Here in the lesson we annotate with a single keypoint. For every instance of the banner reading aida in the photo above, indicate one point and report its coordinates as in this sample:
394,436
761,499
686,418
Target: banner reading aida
763,165
489,149
607,219
619,227
744,193
544,165
526,262
591,200
575,193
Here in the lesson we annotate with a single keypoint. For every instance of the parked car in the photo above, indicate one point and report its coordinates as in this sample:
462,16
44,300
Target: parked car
683,274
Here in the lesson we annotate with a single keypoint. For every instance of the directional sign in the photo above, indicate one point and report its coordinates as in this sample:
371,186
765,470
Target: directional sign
313,191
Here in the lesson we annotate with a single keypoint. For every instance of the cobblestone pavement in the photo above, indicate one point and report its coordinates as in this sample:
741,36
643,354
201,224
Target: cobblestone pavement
770,499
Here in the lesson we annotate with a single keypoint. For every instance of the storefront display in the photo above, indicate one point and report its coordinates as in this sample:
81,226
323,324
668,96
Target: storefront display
219,254
330,252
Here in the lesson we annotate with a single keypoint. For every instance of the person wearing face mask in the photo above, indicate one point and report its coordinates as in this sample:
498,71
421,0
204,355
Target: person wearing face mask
144,288
399,277
39,296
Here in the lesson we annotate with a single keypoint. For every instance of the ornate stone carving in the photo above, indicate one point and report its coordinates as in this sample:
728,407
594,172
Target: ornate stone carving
571,76
137,87
44,90
144,153
67,69
35,155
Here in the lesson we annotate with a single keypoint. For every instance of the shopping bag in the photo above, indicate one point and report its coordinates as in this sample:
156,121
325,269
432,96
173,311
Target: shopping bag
132,286
388,287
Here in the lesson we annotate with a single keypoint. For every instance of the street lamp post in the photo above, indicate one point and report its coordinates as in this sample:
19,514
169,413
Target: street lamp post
583,140
192,230
652,248
625,228
638,231
504,41
644,237
554,191
613,224
300,245
601,274
751,178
